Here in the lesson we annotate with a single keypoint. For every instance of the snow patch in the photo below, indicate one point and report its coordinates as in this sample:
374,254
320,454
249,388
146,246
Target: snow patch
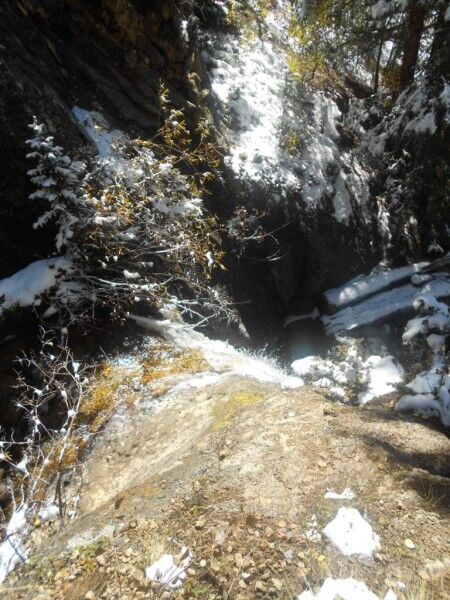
12,552
166,572
26,287
312,534
384,373
351,534
347,494
248,83
97,130
341,200
378,374
49,513
431,388
424,123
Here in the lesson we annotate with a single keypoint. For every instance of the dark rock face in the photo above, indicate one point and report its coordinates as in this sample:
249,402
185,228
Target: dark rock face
106,55
308,253
110,55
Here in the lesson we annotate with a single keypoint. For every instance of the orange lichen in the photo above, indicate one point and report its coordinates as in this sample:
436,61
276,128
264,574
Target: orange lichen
160,365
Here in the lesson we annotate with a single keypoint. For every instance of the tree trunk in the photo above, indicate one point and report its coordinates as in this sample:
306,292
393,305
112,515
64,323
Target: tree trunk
376,75
414,32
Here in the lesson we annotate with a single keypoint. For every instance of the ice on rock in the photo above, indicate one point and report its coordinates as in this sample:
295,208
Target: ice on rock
221,356
351,534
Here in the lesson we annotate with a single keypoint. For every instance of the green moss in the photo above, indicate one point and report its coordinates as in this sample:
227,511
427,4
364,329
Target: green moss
197,590
92,549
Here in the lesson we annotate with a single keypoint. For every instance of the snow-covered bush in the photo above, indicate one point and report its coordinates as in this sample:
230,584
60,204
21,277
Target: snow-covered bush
348,375
342,374
48,448
132,223
58,180
430,388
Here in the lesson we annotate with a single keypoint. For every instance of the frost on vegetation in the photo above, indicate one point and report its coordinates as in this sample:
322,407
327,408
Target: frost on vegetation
62,382
58,179
414,113
351,534
344,589
167,572
430,389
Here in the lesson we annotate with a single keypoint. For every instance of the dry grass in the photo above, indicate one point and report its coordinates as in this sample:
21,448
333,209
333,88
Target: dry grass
98,406
153,547
435,589
95,582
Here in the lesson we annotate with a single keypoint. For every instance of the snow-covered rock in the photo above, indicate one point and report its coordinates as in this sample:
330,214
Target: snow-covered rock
431,388
26,287
384,305
379,375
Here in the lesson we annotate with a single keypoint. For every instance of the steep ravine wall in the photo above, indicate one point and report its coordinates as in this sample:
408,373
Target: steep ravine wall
109,55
